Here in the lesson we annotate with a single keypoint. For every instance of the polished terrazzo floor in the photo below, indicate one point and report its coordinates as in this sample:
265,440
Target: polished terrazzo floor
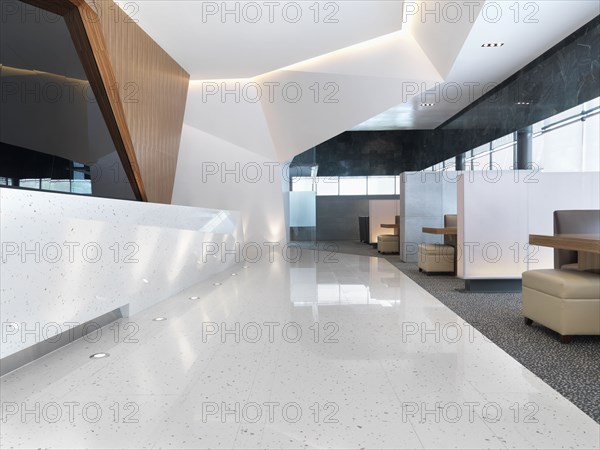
331,351
573,370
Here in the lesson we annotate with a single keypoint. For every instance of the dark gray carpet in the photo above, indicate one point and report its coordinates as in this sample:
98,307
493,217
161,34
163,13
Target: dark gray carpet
572,369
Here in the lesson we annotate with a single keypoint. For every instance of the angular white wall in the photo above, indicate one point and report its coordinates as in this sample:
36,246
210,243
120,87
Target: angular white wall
70,259
213,173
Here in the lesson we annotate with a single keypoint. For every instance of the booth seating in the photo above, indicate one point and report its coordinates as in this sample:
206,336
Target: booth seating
565,299
439,257
389,243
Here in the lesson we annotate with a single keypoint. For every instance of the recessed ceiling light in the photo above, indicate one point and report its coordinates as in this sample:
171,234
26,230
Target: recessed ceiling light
234,274
523,103
493,44
145,280
194,297
99,355
427,105
244,267
216,284
159,319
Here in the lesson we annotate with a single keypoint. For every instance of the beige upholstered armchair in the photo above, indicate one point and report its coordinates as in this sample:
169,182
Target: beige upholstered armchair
565,299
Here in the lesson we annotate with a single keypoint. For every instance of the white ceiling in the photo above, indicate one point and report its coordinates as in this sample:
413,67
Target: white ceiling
380,55
541,25
210,43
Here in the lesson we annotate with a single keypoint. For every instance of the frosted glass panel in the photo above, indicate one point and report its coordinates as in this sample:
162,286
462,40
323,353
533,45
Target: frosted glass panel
303,209
302,184
591,144
353,186
503,159
381,185
559,150
327,186
503,140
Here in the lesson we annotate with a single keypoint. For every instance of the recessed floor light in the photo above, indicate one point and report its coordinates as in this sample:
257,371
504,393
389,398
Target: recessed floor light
216,284
523,103
99,355
234,274
493,44
159,319
426,105
244,267
194,297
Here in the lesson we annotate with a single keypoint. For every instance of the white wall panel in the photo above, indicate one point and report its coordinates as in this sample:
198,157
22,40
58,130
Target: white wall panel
502,214
382,211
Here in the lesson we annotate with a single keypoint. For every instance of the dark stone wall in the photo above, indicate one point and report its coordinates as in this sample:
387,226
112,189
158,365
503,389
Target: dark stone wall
565,76
337,217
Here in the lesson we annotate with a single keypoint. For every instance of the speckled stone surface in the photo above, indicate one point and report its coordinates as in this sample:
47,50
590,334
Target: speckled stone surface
68,259
573,370
376,375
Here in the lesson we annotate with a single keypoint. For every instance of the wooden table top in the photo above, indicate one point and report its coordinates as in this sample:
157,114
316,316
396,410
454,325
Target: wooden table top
577,242
443,230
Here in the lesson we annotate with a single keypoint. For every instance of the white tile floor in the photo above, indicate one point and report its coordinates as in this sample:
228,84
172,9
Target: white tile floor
380,363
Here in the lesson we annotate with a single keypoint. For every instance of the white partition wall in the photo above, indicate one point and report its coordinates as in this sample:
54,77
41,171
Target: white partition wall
424,199
497,211
69,259
381,211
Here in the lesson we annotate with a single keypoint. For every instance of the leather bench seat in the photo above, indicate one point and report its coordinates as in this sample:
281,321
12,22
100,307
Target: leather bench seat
388,243
563,283
566,301
435,258
444,251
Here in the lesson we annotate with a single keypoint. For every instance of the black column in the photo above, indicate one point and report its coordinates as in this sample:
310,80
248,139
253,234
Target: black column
460,162
524,149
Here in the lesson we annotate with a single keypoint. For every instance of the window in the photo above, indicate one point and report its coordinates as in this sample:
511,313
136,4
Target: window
302,184
353,185
381,185
327,186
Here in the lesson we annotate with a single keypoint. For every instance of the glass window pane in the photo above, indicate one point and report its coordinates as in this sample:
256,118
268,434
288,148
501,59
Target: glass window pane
51,122
560,150
381,185
302,184
504,140
504,158
303,209
49,184
327,186
591,144
29,183
353,185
